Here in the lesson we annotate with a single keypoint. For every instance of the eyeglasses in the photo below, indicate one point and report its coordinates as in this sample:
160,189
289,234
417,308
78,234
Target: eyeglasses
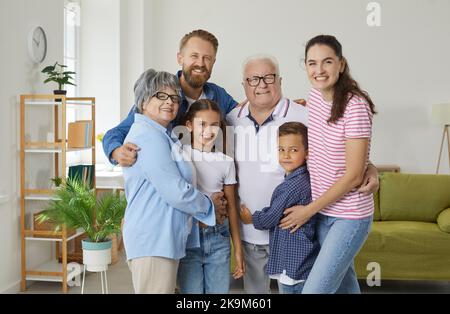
255,80
164,96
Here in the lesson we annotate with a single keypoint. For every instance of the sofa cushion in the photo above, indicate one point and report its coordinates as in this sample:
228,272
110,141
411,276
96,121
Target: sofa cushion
408,237
406,250
413,197
443,220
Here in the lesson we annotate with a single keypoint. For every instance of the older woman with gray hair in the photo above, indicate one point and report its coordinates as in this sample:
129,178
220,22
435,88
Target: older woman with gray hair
161,197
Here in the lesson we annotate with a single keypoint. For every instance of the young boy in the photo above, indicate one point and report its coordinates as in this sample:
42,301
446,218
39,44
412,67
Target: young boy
291,255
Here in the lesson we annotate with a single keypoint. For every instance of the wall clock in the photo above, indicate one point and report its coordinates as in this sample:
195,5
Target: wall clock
37,44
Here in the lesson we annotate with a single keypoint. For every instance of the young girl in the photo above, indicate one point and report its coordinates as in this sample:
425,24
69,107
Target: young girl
207,269
340,128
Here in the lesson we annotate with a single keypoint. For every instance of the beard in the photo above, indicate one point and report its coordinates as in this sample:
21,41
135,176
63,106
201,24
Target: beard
196,80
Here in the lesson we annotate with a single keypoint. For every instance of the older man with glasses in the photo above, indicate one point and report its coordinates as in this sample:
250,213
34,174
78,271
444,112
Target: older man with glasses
255,150
256,154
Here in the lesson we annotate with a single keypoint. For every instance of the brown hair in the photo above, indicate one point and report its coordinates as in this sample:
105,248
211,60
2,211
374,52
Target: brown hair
346,87
295,128
200,33
207,104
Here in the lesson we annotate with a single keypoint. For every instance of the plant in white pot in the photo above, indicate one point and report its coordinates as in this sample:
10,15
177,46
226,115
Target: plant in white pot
77,206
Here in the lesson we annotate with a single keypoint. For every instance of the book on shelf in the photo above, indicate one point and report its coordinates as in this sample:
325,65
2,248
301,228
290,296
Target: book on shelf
83,172
79,134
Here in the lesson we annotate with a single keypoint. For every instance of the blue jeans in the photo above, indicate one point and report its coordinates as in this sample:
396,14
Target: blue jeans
340,240
207,269
294,289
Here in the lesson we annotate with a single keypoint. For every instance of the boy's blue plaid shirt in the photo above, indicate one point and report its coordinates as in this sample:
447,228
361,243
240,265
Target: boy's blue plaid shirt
293,252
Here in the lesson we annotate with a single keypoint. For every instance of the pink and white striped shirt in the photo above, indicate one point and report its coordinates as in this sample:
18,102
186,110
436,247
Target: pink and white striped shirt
326,161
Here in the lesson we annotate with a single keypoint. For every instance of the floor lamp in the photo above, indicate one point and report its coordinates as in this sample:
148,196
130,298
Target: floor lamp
440,114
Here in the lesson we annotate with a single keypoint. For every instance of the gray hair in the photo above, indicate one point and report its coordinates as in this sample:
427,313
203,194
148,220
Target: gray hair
261,57
150,82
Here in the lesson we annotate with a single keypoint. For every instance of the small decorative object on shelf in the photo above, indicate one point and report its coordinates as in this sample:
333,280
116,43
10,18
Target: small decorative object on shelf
56,73
56,181
100,137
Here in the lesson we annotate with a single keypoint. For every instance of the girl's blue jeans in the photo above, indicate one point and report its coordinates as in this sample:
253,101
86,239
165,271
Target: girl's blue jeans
207,269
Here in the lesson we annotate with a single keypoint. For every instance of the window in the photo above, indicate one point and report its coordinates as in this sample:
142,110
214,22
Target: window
72,43
72,61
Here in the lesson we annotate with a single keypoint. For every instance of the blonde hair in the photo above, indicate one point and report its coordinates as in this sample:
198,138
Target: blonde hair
200,33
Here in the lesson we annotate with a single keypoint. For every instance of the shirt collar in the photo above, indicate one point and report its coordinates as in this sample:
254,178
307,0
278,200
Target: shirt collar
138,117
300,170
280,110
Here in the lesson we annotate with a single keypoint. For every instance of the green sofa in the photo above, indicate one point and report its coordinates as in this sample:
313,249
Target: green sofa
410,235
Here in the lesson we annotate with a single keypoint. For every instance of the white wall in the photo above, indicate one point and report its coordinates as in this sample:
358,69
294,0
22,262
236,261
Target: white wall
100,62
19,76
403,64
131,50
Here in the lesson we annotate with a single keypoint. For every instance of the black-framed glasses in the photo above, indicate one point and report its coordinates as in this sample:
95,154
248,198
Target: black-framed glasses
255,80
165,96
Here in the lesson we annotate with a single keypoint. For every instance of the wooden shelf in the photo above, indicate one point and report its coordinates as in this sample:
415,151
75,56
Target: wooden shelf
51,147
55,150
50,100
29,235
40,197
52,271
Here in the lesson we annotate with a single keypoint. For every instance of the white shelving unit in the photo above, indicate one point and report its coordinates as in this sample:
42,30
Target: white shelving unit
55,268
52,270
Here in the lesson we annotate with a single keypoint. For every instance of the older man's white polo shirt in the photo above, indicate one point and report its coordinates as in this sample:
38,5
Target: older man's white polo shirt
256,157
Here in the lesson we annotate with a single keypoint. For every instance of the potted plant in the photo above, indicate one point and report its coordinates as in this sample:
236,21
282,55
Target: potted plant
56,73
57,181
77,206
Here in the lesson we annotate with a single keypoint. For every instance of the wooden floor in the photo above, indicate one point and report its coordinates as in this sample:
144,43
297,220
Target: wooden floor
119,281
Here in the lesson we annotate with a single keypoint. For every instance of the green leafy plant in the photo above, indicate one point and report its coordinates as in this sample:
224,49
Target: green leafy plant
77,206
57,181
56,73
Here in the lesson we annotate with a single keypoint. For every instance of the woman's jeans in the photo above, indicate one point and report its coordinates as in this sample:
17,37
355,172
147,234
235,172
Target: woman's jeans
340,240
207,269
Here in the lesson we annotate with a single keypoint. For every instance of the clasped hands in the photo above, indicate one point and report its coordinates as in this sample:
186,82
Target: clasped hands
220,207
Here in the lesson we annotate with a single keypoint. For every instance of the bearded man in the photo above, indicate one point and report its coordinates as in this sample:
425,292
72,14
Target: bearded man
196,56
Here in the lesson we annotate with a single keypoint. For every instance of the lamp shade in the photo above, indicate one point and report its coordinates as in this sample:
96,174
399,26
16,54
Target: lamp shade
440,114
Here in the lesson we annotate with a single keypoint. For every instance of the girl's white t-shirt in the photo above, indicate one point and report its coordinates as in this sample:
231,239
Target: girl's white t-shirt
213,170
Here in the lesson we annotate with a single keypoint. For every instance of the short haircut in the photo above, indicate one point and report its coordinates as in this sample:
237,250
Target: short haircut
295,128
200,33
261,57
150,82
